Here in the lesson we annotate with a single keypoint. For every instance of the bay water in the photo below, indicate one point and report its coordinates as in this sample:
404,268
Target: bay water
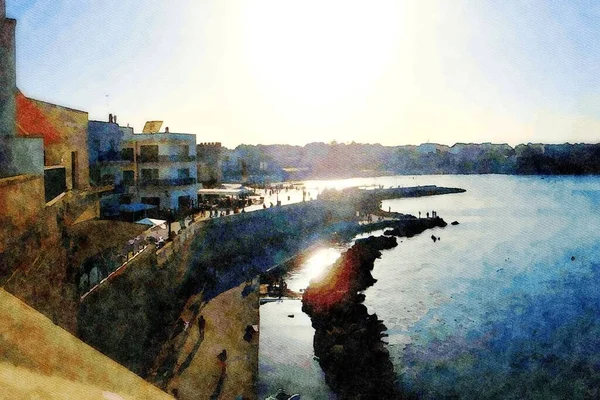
505,305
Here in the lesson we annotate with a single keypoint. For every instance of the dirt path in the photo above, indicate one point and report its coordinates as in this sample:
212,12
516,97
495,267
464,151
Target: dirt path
217,354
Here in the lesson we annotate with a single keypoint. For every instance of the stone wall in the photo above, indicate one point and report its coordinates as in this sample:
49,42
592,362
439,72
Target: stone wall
21,201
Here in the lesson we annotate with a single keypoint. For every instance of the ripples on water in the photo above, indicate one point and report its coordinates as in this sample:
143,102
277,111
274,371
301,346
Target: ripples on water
497,307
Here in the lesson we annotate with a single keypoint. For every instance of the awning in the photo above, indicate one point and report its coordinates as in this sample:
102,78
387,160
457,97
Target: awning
225,192
152,222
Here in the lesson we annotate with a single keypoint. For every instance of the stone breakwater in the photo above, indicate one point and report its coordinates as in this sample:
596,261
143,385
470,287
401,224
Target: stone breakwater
348,340
369,201
413,226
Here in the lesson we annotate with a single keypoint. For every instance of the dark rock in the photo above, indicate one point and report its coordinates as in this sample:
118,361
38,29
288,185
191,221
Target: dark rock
454,223
222,356
411,227
347,338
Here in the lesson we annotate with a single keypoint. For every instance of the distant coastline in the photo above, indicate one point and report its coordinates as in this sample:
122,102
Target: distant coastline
272,163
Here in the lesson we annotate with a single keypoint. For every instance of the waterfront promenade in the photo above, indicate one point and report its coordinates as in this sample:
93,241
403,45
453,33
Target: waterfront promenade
365,202
149,300
191,224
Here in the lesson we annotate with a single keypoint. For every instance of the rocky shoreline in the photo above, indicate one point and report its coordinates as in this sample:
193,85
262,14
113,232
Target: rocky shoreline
348,340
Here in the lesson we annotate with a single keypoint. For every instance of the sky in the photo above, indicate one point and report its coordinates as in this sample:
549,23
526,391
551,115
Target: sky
294,72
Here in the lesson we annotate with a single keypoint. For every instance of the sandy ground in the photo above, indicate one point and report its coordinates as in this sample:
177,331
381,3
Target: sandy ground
202,371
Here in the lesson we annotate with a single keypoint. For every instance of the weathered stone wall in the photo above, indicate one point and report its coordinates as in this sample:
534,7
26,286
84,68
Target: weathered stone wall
21,201
8,75
39,265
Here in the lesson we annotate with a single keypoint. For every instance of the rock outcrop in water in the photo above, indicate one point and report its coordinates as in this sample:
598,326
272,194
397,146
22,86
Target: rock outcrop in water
348,339
413,226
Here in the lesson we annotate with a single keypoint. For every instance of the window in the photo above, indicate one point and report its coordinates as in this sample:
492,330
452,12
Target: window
183,150
128,177
149,153
149,175
183,173
184,203
127,154
107,179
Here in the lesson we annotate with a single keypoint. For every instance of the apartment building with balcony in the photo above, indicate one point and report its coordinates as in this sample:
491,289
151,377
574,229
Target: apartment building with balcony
104,149
159,169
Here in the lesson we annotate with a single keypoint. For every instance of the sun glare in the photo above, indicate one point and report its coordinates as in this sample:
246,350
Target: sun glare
318,53
318,262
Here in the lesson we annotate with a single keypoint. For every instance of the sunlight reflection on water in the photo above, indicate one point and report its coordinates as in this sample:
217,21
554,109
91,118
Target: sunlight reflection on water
522,263
315,266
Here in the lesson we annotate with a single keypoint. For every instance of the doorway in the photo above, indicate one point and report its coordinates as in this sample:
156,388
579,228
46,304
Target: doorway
74,170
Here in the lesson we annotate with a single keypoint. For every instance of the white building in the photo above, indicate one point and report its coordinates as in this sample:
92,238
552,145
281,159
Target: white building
160,168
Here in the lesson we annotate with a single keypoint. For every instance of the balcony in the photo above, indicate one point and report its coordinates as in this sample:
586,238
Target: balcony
118,161
165,159
167,182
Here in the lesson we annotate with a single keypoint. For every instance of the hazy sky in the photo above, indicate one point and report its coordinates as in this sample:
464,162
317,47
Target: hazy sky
276,71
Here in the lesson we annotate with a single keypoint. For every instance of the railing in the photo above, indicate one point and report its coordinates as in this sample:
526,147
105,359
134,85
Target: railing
167,182
166,158
146,158
112,265
117,161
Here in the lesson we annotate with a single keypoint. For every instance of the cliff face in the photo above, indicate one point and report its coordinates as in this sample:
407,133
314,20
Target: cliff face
43,267
131,317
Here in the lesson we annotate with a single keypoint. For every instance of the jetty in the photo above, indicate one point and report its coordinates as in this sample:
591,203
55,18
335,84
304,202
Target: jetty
369,200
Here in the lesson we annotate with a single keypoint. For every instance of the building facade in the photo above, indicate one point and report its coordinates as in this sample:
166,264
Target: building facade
64,131
104,149
159,169
210,166
18,155
43,155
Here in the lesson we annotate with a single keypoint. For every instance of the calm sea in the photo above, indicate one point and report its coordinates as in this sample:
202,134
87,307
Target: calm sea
505,305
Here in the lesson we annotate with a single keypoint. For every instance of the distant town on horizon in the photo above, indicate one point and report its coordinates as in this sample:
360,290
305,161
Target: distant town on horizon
340,160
